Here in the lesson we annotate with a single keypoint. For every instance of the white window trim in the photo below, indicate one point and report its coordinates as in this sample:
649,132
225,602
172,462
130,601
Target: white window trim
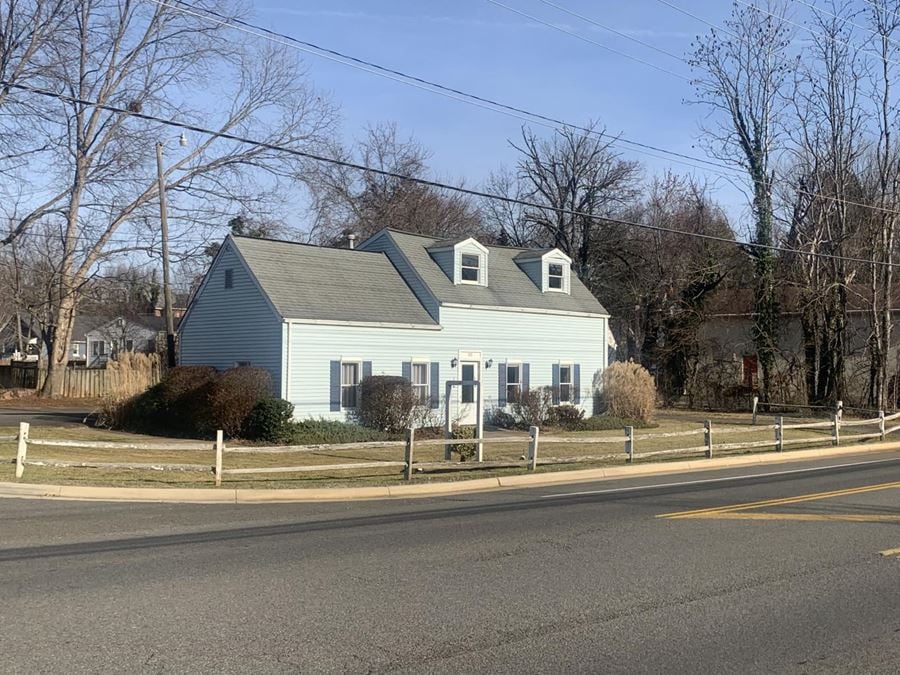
359,366
571,383
413,362
518,364
482,269
566,275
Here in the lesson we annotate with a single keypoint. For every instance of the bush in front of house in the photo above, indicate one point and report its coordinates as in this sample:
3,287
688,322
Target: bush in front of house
270,421
565,416
315,431
629,391
504,420
195,401
232,397
466,451
387,403
532,406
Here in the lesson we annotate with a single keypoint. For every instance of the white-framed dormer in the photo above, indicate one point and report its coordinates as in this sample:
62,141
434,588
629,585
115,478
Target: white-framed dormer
549,269
464,261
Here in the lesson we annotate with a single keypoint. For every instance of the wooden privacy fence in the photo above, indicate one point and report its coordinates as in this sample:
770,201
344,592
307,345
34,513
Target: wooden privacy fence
629,443
83,382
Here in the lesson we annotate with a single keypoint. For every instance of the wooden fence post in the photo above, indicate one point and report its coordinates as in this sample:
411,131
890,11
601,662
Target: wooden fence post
881,424
220,447
629,444
408,455
533,432
755,408
835,429
707,433
21,448
779,434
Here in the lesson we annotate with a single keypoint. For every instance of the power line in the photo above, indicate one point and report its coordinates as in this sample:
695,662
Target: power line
578,36
430,85
432,183
847,21
622,34
482,102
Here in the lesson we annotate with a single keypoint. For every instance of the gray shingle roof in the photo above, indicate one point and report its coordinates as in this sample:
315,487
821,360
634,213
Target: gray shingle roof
313,282
508,285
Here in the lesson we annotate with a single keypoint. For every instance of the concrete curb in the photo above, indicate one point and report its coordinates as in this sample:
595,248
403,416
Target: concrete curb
298,495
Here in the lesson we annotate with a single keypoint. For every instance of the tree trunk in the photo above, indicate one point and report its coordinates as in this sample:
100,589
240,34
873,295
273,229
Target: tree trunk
58,353
766,306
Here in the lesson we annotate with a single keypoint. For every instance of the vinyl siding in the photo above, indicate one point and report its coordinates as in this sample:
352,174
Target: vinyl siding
537,339
446,260
534,270
419,289
227,325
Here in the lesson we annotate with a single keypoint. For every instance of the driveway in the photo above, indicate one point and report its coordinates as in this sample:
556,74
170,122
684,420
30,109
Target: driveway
11,415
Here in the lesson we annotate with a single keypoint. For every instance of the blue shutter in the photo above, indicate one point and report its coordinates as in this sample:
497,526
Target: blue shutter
555,384
435,384
576,383
406,371
501,390
367,369
526,377
335,386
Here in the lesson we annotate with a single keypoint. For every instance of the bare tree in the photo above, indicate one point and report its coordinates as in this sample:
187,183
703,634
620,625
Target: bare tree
153,58
741,75
883,17
578,180
505,217
348,200
830,138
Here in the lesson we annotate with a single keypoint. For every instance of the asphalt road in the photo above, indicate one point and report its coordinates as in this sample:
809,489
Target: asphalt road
537,580
10,416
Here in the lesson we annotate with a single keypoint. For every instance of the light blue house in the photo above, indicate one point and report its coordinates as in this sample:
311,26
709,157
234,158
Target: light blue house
321,319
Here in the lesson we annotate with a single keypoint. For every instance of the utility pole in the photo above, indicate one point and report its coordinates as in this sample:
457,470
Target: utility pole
167,289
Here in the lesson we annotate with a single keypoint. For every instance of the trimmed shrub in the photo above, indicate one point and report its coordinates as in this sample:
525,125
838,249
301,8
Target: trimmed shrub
387,403
504,420
466,451
565,416
232,397
183,401
532,407
629,391
312,431
271,420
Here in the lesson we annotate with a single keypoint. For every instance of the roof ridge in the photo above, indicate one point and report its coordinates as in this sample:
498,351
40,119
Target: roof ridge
300,243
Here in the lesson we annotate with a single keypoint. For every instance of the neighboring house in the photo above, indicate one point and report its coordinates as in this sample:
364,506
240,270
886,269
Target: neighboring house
727,354
321,319
121,334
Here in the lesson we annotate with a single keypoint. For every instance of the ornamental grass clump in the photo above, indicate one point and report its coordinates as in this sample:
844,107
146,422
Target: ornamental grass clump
629,391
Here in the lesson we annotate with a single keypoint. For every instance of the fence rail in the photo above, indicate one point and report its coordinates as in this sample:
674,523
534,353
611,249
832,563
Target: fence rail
530,459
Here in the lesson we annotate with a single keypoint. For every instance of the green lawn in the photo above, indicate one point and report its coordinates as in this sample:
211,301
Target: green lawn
570,454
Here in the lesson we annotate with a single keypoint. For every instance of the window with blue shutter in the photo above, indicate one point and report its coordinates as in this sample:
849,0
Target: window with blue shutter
435,384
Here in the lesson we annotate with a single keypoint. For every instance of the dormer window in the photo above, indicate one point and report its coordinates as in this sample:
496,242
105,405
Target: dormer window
555,277
470,268
556,274
464,261
550,269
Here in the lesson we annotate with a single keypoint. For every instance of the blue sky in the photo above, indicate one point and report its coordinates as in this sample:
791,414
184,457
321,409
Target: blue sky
479,47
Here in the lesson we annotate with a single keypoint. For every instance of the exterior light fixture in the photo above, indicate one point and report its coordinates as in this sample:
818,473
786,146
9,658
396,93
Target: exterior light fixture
453,362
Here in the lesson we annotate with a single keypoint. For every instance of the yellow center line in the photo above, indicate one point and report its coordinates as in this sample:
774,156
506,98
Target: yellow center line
785,500
810,517
890,551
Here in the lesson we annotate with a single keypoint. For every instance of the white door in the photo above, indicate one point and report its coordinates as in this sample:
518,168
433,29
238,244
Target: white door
469,371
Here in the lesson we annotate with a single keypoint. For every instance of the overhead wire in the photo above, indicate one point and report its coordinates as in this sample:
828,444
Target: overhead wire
437,184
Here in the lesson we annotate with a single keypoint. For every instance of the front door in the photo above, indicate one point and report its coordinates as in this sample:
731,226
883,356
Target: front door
469,371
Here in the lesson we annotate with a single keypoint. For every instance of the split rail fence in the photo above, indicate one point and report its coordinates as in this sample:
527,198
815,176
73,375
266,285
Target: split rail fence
630,444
